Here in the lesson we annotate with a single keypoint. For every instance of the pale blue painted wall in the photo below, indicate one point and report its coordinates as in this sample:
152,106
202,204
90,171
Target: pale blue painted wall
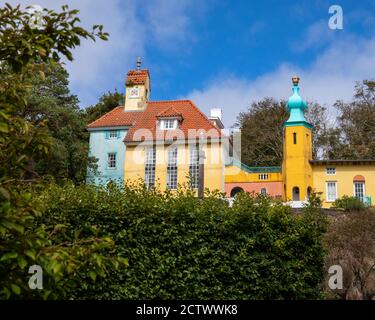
100,145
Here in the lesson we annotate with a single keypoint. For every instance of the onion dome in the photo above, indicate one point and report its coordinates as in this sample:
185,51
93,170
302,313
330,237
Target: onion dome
296,107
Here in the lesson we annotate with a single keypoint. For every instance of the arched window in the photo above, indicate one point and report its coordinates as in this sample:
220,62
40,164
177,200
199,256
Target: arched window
235,190
296,194
263,191
359,187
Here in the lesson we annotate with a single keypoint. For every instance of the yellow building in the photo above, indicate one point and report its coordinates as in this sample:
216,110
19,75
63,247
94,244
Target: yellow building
300,174
163,143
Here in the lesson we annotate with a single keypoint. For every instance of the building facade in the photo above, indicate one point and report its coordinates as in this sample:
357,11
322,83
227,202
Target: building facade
300,174
159,143
163,143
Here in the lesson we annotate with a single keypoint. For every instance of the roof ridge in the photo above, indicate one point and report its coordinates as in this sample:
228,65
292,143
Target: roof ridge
167,109
166,101
203,115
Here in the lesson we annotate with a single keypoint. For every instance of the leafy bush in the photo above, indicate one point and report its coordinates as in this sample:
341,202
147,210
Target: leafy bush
180,248
347,203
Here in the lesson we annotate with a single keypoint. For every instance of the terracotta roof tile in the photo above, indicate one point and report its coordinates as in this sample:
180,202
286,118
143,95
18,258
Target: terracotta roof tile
143,124
169,112
193,122
137,76
115,118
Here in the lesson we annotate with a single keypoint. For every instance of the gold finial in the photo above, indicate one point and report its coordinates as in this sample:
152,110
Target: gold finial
295,80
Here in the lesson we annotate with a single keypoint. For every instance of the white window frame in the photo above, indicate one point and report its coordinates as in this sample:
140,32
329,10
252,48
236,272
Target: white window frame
331,171
261,191
172,169
194,165
110,134
327,194
109,161
150,167
263,176
168,124
364,189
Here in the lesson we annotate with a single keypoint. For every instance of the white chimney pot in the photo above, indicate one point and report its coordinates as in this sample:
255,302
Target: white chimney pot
216,113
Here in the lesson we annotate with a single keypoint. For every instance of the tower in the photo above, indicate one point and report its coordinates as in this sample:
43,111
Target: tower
297,149
137,88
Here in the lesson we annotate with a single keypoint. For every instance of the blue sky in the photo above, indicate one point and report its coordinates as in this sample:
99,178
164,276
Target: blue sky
225,53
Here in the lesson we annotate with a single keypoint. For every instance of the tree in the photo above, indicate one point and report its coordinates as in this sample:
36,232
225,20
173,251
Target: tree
262,131
356,123
50,100
22,242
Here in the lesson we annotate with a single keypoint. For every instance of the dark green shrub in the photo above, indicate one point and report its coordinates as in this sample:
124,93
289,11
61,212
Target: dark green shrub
347,203
180,248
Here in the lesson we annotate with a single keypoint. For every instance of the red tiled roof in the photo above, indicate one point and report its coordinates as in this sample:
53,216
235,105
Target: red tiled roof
137,76
170,112
114,118
143,124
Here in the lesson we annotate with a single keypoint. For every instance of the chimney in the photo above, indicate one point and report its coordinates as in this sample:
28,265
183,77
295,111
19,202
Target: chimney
216,117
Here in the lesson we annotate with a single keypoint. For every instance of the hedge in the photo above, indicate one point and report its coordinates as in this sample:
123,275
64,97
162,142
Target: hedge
178,247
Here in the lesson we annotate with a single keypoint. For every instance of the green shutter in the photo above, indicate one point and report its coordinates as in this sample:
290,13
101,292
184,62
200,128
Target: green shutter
107,134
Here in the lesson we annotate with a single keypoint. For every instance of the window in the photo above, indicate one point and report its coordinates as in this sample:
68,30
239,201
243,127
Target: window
331,171
359,190
263,176
235,191
168,124
263,191
331,191
113,134
194,166
294,138
111,160
172,169
150,161
295,194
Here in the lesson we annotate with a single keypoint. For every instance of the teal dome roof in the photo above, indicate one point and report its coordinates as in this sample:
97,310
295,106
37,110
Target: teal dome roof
296,107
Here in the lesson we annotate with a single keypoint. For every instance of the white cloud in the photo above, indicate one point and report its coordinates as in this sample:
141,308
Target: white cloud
101,65
330,77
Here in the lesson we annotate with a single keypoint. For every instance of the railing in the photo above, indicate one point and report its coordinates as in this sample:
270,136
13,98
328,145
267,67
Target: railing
248,169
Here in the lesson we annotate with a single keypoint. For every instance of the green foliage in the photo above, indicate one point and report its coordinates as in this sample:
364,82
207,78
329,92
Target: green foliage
21,44
180,248
49,100
22,241
356,124
347,203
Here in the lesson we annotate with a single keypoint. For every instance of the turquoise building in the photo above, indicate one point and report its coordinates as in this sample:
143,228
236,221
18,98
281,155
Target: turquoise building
106,144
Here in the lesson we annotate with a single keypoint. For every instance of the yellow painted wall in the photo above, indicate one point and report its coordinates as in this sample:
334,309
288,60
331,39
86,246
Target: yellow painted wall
134,166
132,104
235,174
344,180
297,171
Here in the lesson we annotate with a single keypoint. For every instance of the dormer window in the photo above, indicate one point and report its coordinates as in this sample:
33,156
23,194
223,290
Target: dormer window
168,124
